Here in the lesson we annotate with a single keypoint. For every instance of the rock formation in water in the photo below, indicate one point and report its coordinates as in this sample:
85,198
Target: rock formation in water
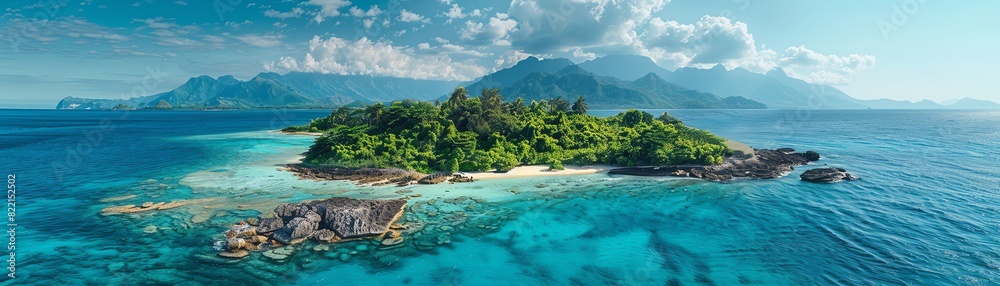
764,164
827,175
328,220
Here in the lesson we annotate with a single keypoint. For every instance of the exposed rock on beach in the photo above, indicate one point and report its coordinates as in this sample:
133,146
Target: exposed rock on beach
764,164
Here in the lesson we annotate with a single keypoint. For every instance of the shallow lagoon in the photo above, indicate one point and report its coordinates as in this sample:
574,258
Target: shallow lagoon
925,212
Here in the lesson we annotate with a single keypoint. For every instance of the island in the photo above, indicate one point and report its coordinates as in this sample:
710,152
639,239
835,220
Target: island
412,141
488,133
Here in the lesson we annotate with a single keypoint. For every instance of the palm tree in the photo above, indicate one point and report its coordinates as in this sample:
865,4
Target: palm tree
559,104
517,106
457,96
374,113
491,99
580,106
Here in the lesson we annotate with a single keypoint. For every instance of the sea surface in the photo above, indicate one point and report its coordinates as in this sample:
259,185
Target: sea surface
926,212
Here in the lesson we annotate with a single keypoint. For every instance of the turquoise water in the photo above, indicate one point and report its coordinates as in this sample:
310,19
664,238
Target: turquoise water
925,213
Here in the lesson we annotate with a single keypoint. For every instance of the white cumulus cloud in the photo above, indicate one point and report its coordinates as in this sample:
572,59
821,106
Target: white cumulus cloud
361,13
814,67
555,26
339,56
294,13
495,31
328,8
407,16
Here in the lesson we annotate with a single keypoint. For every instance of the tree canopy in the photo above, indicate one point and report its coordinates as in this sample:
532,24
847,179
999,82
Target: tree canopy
487,133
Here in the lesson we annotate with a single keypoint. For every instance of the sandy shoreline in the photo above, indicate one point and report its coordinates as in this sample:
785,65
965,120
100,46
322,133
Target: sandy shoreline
539,171
301,133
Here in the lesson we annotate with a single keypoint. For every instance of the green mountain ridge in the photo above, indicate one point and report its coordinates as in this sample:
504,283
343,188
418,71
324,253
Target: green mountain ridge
272,90
650,91
608,82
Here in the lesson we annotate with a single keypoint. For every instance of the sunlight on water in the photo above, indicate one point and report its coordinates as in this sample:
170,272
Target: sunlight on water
925,212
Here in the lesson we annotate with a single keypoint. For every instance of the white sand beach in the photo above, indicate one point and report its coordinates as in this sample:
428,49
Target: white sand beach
301,133
539,171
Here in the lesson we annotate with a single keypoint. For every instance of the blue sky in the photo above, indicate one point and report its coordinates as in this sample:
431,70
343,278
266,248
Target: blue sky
905,49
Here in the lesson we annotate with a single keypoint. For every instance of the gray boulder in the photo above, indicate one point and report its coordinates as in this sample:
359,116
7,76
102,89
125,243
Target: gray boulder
827,175
351,218
270,224
283,236
325,235
301,227
289,211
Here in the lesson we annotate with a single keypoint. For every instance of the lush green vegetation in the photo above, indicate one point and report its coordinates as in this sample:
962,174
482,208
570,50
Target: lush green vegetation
486,132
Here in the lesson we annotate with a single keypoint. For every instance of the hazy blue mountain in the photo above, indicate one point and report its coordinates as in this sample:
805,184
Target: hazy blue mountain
270,90
621,81
624,67
337,89
650,91
508,76
812,95
900,104
972,103
260,92
775,89
228,80
196,91
70,102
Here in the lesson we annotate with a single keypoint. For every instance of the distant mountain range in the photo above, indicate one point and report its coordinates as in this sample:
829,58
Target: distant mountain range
775,88
272,90
625,81
650,91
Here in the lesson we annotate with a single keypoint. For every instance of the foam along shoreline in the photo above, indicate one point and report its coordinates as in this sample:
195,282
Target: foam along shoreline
538,171
301,133
401,177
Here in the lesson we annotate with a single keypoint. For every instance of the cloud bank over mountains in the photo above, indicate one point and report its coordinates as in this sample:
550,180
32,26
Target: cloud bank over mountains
443,39
577,29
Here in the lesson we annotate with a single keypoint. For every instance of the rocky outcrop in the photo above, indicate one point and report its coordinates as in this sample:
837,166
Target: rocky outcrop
434,178
325,235
827,175
270,224
359,175
766,164
373,176
328,220
459,178
351,218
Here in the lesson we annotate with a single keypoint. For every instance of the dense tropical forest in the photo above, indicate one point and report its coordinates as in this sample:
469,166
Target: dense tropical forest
486,133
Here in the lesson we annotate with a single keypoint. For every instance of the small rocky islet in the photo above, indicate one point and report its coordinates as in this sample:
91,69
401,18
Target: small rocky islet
331,220
763,164
362,230
827,175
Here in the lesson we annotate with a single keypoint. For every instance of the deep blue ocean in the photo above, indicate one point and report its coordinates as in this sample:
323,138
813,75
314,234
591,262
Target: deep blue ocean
926,211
